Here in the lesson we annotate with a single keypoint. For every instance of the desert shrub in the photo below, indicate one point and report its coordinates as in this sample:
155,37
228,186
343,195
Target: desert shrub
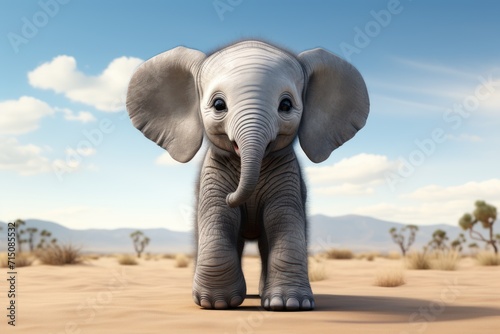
488,259
370,257
418,260
59,255
390,278
317,269
339,254
168,256
21,260
127,260
181,261
446,260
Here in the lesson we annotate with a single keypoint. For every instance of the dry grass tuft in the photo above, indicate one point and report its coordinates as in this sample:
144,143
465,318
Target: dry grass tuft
393,255
181,261
127,260
488,259
370,257
92,257
317,269
339,254
168,256
58,255
418,260
21,260
446,260
390,278
152,257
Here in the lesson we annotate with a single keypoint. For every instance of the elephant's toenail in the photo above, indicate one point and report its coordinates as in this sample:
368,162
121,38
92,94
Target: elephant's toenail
266,304
236,301
306,304
276,304
205,303
220,305
292,304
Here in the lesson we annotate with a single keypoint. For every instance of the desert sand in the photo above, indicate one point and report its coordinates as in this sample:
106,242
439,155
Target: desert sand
101,296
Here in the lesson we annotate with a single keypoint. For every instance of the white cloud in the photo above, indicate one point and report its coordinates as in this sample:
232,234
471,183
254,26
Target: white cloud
22,159
422,213
74,161
29,160
360,168
83,151
82,116
345,189
472,191
357,175
404,104
69,166
22,115
418,213
492,103
435,204
464,137
435,68
105,91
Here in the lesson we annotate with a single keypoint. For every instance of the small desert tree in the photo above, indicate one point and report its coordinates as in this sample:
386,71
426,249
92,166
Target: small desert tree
19,234
486,214
438,241
44,236
140,242
473,247
458,242
31,237
399,238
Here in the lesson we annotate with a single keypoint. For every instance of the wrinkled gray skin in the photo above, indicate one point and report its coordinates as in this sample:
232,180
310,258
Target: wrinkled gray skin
250,184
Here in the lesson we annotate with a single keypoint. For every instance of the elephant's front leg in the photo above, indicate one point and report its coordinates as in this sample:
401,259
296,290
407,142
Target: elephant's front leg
286,283
218,278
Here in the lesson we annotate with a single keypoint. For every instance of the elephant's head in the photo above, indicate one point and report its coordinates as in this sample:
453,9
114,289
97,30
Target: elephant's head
250,99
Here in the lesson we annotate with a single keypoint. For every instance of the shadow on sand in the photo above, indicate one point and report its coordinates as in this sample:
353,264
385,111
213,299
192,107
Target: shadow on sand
391,309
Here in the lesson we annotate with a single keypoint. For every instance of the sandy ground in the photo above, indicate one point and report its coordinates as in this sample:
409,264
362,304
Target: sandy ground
102,296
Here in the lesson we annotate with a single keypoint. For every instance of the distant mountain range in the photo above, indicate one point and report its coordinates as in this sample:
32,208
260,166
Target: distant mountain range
358,233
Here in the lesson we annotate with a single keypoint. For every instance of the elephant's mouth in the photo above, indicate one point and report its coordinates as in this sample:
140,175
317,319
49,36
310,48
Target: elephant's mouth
236,148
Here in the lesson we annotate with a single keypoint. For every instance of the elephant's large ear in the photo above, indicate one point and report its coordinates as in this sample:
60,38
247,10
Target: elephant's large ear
336,103
163,102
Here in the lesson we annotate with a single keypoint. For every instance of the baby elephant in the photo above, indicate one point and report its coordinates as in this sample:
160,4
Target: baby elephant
250,100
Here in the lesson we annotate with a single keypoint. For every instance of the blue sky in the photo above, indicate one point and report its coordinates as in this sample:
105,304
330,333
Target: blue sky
429,149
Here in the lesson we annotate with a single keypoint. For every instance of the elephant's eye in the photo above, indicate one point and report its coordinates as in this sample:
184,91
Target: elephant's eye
220,105
285,105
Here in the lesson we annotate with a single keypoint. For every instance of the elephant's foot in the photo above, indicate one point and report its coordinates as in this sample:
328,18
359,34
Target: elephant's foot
288,298
218,290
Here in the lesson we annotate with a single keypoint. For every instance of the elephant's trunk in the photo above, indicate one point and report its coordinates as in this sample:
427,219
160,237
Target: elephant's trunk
251,143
